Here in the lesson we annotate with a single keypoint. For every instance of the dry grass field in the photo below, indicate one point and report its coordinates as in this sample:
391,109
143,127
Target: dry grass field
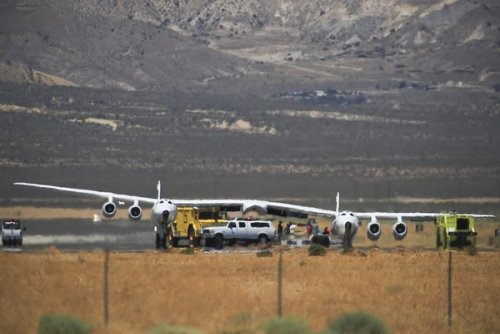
216,292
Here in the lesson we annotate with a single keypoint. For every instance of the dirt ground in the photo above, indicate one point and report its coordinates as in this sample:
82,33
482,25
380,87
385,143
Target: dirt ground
227,292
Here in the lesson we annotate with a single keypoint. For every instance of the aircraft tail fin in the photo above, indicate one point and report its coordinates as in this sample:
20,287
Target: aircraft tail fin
158,187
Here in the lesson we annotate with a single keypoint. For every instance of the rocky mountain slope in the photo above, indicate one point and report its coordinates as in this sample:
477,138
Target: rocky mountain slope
160,44
289,99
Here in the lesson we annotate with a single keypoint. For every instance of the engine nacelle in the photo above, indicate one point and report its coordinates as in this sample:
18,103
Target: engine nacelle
373,229
135,212
109,209
399,230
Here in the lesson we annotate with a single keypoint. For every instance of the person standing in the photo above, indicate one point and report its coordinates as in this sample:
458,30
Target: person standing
280,230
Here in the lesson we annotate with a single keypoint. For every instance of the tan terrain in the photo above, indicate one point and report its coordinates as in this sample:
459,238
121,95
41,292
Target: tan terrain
231,292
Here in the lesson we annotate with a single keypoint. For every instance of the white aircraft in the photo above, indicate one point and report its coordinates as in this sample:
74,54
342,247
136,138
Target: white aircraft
345,224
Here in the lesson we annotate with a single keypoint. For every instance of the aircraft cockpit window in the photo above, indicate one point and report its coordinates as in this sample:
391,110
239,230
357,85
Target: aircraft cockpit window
162,201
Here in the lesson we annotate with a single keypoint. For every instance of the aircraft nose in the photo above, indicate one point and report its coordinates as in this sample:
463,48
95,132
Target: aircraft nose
348,226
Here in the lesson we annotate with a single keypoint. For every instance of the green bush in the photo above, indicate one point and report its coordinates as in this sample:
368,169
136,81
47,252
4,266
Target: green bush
317,250
286,325
62,324
242,323
357,323
166,329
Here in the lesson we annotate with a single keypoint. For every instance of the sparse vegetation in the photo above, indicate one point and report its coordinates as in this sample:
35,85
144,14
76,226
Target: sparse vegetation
317,250
357,323
175,284
266,252
286,325
62,324
166,329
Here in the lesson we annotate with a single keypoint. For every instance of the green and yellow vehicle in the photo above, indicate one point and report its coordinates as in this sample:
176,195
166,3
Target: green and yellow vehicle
455,231
190,221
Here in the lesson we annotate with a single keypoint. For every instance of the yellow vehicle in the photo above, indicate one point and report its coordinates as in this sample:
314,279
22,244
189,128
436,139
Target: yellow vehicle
455,231
190,221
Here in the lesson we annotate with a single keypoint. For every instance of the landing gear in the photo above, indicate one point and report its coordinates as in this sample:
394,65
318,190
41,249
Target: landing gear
347,241
162,237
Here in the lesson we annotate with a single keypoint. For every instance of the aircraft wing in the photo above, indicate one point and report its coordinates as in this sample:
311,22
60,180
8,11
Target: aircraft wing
101,194
410,215
300,211
246,205
262,207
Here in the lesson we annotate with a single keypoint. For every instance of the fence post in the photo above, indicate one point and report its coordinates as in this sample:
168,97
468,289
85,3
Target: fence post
280,283
106,288
449,292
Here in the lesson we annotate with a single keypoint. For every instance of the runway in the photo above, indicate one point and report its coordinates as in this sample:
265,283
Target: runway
81,234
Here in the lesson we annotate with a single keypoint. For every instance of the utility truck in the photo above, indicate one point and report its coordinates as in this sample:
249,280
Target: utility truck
455,231
189,223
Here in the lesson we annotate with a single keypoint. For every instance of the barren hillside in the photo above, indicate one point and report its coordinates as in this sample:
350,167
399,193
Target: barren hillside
293,100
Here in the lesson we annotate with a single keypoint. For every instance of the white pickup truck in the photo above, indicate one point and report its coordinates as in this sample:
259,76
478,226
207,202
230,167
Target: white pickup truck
237,229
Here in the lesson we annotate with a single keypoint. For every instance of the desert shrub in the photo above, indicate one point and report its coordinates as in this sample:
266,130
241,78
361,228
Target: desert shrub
62,324
188,251
317,250
242,323
265,253
166,329
285,325
357,323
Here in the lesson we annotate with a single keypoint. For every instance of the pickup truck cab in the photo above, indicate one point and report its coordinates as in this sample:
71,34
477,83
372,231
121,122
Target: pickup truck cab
12,233
238,229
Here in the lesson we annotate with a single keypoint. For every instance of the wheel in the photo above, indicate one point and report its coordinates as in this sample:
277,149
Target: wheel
219,241
191,237
263,239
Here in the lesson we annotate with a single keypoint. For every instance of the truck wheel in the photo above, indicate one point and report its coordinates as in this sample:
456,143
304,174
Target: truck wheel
191,237
219,241
263,239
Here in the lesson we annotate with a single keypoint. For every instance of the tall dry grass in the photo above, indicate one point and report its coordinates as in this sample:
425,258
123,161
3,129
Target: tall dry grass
407,289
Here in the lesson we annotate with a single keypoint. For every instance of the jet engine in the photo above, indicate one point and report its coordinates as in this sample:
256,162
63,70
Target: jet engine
399,230
373,229
135,212
109,209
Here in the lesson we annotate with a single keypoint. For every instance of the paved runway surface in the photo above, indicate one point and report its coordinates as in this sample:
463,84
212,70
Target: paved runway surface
84,234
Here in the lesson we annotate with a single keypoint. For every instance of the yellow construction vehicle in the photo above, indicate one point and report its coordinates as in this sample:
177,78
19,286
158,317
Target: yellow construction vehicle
455,231
190,221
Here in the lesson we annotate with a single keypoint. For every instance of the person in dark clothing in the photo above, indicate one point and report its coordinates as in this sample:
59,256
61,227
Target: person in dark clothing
280,230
